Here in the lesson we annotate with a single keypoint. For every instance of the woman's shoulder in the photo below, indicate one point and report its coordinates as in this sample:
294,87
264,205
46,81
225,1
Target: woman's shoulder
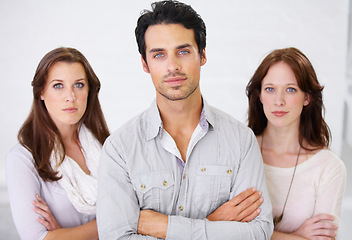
328,156
19,149
327,159
19,155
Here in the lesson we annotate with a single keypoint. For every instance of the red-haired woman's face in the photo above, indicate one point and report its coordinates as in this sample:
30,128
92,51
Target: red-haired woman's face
281,96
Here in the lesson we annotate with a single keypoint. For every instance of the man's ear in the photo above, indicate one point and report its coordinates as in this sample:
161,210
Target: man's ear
145,65
203,59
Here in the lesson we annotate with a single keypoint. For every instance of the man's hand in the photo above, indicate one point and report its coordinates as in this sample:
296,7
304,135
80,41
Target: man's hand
152,223
242,208
318,227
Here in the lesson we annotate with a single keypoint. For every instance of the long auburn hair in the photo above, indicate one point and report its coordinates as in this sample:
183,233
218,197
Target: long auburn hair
39,133
312,127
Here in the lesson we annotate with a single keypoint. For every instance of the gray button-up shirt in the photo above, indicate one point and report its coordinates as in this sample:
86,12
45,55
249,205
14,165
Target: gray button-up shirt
137,171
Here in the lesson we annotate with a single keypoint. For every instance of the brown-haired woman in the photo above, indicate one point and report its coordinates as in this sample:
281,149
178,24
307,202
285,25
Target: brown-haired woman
54,166
305,180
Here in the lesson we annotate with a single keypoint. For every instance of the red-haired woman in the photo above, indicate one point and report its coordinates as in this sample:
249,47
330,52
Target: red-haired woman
305,179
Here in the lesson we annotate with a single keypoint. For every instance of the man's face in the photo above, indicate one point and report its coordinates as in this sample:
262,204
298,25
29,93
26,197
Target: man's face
173,60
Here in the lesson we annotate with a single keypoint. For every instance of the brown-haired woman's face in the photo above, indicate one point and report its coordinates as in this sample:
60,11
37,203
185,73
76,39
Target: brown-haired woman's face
65,93
281,96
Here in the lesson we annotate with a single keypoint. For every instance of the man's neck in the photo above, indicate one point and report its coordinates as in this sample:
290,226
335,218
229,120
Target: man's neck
181,114
180,119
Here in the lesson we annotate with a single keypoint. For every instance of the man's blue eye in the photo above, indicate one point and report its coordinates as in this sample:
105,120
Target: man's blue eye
158,55
183,52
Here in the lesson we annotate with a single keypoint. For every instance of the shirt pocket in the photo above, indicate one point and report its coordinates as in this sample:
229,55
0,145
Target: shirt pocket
213,186
155,190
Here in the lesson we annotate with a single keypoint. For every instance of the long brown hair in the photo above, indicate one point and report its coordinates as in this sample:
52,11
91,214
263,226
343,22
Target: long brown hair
39,133
313,127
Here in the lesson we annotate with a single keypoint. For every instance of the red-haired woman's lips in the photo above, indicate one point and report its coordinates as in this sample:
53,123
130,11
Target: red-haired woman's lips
70,110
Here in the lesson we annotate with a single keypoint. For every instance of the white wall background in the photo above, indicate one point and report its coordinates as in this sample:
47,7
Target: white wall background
348,103
240,34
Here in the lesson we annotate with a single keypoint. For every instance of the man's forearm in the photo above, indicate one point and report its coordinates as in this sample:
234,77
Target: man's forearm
203,229
152,223
242,208
155,224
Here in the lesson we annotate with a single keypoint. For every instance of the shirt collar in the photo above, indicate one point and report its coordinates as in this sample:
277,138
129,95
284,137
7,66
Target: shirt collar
155,125
208,114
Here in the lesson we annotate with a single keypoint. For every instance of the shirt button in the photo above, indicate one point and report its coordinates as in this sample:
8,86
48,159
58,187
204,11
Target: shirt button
165,183
229,171
184,176
203,169
143,187
181,208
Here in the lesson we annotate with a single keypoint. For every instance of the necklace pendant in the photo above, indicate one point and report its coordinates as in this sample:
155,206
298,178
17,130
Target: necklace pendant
278,219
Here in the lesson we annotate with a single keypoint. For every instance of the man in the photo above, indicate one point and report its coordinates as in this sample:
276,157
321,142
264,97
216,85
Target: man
182,169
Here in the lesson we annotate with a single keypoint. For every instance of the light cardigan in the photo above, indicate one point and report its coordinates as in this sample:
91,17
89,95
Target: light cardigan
23,182
318,187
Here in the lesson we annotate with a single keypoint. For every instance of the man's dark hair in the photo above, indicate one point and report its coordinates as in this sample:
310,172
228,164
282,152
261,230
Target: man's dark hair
170,12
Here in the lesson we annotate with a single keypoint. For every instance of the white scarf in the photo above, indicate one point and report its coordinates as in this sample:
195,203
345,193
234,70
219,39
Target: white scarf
81,189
